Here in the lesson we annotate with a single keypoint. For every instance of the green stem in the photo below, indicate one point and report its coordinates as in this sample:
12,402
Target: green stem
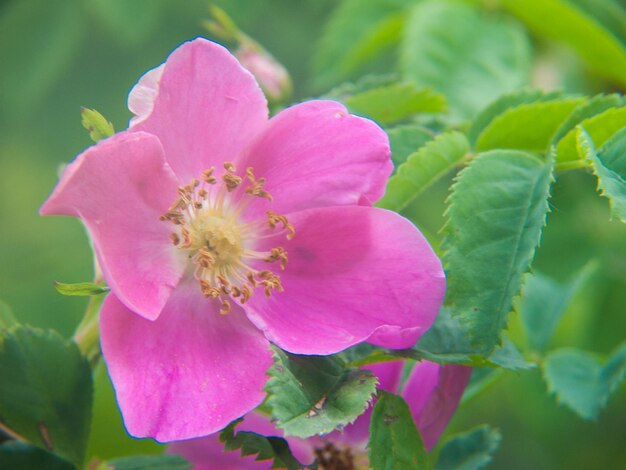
87,334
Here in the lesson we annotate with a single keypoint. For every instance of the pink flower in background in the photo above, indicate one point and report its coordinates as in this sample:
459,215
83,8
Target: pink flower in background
219,230
431,391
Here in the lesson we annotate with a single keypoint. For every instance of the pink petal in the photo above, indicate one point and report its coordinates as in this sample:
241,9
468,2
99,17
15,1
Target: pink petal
119,188
316,154
208,453
433,393
142,96
207,109
355,274
187,374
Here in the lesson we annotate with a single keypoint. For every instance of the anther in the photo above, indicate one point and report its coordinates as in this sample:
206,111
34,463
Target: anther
175,238
231,181
225,309
230,167
277,254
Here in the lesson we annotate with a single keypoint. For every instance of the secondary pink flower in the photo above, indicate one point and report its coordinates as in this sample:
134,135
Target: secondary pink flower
431,391
219,230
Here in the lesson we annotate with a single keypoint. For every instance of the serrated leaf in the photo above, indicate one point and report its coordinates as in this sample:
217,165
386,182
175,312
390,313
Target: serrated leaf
47,398
363,84
15,455
357,33
80,288
7,319
423,168
395,443
311,395
543,303
527,126
504,103
264,447
495,215
148,462
407,139
96,124
609,165
599,127
581,381
595,44
471,450
390,103
586,110
468,56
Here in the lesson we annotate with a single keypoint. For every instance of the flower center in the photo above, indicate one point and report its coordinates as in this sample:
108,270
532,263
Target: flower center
207,216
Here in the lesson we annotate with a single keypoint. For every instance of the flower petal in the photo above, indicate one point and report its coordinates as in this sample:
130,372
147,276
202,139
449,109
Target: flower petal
355,274
119,188
207,109
141,97
208,453
433,392
187,374
316,154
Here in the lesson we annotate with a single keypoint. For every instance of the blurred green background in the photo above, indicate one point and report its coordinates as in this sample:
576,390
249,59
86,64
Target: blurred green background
56,56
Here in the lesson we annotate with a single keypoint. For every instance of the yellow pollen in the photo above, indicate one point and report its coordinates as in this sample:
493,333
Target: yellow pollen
220,246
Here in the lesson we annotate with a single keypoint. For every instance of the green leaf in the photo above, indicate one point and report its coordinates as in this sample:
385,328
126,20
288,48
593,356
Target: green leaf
543,303
46,391
471,450
609,13
595,44
395,443
15,455
504,103
264,447
581,381
80,288
407,139
469,56
423,168
368,82
311,395
586,110
148,462
527,126
356,33
609,165
599,127
97,125
390,103
7,319
495,215
482,378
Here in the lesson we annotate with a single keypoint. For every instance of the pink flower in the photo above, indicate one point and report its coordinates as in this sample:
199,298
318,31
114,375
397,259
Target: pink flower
431,391
193,211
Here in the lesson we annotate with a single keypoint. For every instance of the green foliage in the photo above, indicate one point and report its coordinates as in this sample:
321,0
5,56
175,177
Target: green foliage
311,395
357,33
471,450
264,447
563,21
599,127
54,33
586,110
80,288
148,462
391,103
468,56
395,443
7,319
609,165
96,124
422,168
543,303
46,391
502,104
406,139
129,23
15,455
527,126
581,381
495,215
